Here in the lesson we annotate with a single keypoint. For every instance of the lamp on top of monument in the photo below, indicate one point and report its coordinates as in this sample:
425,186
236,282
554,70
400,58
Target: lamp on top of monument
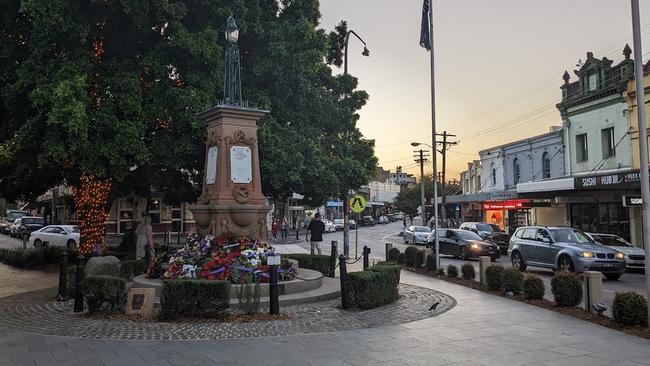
232,80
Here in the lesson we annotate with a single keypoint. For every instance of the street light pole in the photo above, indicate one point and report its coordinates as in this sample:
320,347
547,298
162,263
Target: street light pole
346,209
643,139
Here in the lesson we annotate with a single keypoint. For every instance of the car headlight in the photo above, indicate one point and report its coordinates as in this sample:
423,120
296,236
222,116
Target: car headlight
586,254
474,246
620,255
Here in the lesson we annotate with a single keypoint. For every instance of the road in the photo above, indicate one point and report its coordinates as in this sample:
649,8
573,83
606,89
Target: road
377,236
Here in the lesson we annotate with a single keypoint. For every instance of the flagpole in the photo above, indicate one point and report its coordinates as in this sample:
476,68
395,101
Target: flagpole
433,139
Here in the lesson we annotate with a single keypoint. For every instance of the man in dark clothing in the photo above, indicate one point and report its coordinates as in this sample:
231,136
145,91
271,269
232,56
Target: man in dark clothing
316,227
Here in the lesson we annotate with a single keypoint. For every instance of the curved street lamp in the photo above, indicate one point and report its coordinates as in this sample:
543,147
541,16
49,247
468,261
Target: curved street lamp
365,51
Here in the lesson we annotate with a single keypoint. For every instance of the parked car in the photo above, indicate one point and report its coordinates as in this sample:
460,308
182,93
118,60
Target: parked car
329,226
9,219
489,232
563,249
463,244
416,234
28,224
383,220
338,224
398,216
367,221
634,256
55,235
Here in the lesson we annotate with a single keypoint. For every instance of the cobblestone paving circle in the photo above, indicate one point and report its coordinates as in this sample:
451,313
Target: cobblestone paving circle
36,312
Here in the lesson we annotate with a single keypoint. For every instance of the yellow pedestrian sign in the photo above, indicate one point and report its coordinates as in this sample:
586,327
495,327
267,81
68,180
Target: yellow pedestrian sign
357,203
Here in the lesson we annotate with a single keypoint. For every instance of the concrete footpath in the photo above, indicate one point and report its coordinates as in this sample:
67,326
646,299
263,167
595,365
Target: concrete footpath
481,329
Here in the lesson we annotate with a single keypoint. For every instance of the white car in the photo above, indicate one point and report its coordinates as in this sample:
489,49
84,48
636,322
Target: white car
416,234
634,256
338,224
330,227
383,220
55,236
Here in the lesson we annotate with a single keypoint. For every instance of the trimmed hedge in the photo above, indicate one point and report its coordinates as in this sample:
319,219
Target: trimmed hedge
494,278
468,272
393,253
452,271
316,262
534,288
431,263
513,280
132,268
401,258
32,257
567,289
409,256
440,271
194,299
375,287
419,258
103,291
630,308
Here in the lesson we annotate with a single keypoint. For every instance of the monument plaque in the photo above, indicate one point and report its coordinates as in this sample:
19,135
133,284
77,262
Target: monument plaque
241,167
211,166
140,301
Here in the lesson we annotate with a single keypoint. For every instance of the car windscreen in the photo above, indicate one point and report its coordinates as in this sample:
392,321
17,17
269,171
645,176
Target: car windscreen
12,216
570,236
467,235
422,229
610,240
32,220
484,227
496,228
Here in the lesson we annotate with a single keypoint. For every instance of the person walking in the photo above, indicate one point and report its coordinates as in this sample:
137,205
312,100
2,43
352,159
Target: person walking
144,241
316,227
274,228
284,228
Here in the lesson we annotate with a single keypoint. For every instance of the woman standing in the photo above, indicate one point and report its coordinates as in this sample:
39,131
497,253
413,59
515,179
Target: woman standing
145,238
274,228
285,228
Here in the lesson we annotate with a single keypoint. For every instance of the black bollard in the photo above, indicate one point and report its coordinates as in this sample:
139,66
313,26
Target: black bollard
78,285
366,263
274,301
63,278
297,233
345,283
333,255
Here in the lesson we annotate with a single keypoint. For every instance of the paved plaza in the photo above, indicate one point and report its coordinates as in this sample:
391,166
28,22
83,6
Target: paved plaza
481,329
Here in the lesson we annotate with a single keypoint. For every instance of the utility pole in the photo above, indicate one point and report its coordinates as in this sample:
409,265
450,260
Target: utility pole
643,139
443,151
420,158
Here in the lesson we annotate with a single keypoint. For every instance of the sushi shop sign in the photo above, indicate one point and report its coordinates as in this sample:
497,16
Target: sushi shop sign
605,181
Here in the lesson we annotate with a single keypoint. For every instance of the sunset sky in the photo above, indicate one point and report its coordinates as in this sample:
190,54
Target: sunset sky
499,66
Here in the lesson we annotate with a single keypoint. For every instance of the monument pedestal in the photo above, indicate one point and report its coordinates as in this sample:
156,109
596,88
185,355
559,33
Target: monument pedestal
231,200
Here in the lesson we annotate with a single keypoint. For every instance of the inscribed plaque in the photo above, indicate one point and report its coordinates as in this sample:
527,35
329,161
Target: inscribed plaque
241,166
211,168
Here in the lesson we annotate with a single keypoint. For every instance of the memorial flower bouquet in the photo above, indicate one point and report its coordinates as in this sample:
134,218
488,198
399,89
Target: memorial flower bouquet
227,257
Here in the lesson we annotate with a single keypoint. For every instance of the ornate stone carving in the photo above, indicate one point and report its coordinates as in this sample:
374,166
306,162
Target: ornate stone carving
240,138
241,194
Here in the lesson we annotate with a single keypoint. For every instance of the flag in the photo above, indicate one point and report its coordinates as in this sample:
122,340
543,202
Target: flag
425,37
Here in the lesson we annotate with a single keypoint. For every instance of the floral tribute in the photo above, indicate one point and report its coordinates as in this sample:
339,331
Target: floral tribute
227,257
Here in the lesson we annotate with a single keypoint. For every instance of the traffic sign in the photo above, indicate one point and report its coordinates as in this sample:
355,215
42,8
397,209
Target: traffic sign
357,203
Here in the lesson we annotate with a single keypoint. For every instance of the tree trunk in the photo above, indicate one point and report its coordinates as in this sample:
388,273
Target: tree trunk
90,199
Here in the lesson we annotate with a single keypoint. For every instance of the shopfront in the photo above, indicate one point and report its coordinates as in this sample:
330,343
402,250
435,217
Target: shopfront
509,214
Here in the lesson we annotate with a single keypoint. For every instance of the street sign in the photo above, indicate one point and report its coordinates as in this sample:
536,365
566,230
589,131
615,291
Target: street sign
358,203
273,260
632,201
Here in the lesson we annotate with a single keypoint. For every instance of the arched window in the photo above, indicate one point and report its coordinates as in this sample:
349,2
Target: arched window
515,170
494,174
546,165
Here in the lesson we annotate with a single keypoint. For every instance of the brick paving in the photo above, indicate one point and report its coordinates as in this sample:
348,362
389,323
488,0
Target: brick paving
37,312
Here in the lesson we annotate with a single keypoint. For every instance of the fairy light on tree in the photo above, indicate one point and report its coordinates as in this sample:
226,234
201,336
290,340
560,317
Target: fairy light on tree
90,200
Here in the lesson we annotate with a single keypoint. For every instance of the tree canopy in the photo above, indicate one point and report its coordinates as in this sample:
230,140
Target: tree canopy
111,89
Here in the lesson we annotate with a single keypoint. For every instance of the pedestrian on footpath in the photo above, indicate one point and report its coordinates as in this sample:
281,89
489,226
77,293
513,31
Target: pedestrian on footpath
316,227
145,238
284,228
274,228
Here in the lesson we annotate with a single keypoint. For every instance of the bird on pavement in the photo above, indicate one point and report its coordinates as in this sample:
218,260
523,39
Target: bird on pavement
434,306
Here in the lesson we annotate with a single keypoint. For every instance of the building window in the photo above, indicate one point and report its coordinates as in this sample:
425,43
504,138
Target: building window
494,176
546,165
593,82
154,210
478,183
581,148
177,218
516,173
607,139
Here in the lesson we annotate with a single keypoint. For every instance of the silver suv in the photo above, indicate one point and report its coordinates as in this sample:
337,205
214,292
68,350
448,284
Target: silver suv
564,249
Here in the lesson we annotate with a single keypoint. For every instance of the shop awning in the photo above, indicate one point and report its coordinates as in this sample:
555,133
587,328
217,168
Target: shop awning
561,184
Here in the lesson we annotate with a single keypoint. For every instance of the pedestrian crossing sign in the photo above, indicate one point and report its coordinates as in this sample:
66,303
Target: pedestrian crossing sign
358,203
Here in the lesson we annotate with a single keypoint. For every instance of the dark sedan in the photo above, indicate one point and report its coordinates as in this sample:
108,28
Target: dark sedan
28,224
464,244
489,232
